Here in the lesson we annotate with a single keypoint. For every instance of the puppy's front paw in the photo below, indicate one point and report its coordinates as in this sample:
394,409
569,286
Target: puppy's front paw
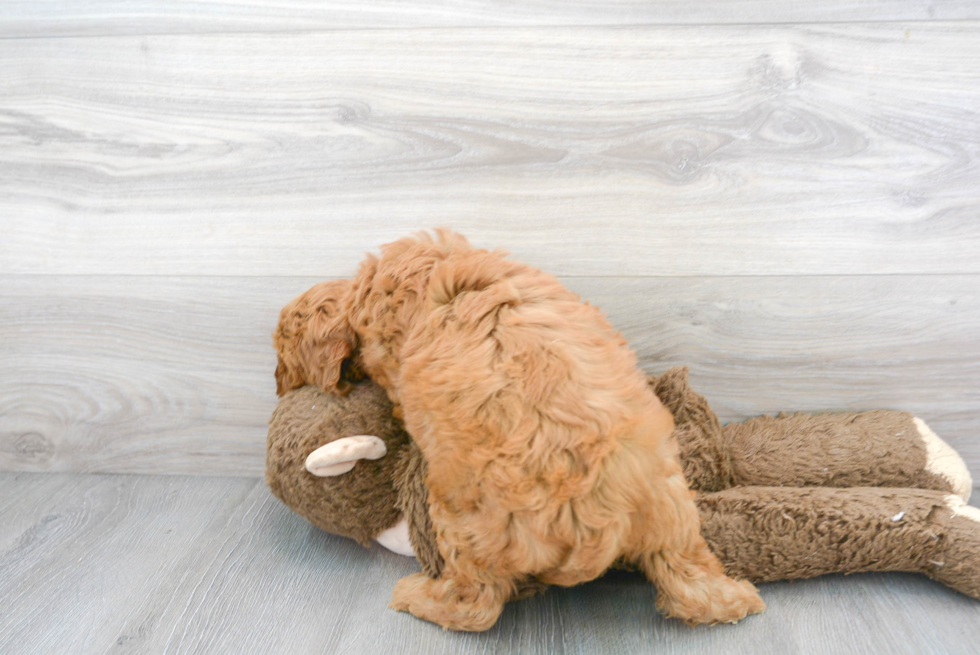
408,588
447,603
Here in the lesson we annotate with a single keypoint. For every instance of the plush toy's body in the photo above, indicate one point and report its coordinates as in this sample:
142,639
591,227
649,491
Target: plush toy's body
780,498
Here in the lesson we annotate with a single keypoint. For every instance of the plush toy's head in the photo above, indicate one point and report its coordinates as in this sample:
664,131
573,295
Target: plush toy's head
348,488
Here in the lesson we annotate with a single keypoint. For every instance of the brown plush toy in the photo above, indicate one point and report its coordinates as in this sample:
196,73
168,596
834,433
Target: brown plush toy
780,498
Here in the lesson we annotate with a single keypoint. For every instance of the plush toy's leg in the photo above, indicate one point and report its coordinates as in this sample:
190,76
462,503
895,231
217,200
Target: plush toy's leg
782,533
881,448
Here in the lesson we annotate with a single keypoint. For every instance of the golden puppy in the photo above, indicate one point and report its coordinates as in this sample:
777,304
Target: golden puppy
549,457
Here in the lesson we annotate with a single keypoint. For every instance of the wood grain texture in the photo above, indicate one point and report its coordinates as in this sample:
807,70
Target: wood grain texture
28,18
150,564
779,197
175,375
725,150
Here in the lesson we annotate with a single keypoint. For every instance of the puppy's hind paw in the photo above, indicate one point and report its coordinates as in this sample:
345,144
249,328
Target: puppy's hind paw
730,602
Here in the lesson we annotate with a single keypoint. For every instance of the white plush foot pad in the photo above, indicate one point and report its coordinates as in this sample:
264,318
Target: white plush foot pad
942,460
960,508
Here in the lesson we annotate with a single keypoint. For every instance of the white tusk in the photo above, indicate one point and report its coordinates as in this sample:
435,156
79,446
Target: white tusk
340,456
396,539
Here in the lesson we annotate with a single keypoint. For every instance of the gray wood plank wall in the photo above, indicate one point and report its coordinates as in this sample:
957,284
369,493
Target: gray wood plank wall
114,17
778,195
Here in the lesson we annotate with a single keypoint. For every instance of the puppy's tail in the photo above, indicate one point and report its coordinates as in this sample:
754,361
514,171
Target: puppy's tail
475,272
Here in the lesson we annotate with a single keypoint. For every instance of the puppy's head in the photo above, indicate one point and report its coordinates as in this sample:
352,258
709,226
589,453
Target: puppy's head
315,342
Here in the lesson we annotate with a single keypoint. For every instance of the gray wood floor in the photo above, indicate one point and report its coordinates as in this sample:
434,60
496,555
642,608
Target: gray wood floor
166,564
782,195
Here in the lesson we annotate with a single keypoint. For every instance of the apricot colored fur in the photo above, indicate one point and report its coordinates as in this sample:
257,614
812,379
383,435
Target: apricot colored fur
549,457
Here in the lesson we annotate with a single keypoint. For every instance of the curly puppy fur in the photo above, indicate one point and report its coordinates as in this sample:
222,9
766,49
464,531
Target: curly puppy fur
549,456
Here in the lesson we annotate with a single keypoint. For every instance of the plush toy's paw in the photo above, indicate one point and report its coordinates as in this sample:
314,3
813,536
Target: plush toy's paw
448,603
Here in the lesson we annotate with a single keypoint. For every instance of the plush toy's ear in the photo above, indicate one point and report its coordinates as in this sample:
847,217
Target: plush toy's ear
340,456
314,339
672,388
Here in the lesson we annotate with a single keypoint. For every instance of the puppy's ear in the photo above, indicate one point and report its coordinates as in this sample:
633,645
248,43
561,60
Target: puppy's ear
326,345
314,341
289,373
